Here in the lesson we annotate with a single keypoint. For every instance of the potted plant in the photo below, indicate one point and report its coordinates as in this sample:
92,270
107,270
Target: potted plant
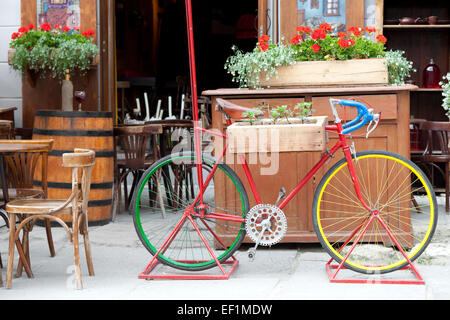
52,51
285,130
445,84
313,58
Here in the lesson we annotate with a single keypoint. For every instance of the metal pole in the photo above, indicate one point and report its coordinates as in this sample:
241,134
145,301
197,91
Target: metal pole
198,147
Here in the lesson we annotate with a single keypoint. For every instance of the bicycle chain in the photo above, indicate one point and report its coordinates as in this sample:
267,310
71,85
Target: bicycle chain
221,224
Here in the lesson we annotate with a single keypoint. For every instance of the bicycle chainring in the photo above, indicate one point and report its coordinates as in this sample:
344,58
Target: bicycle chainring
269,217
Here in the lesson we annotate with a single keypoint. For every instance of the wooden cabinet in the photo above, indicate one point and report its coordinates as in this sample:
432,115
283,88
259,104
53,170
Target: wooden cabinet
421,42
392,135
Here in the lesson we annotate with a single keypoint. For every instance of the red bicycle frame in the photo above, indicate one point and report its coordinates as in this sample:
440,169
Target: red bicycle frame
340,144
201,207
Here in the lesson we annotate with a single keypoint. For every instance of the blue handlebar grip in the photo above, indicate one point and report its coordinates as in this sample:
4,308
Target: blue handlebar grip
356,123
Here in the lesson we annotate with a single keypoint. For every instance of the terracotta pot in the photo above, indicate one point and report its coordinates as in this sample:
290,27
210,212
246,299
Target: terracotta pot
407,20
432,19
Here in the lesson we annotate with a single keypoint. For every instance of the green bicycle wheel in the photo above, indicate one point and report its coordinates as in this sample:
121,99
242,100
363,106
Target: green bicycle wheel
164,192
394,188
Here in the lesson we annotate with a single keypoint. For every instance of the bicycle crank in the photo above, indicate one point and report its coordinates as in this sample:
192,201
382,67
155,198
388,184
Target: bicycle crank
265,225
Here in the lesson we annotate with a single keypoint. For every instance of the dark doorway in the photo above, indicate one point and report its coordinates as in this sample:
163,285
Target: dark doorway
151,42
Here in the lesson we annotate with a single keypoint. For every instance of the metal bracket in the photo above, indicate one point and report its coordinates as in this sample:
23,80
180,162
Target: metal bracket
353,151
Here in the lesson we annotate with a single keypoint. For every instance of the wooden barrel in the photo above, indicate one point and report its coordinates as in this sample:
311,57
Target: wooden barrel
70,130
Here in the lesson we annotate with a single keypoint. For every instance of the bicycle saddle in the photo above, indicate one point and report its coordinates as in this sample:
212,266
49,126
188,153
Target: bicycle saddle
231,106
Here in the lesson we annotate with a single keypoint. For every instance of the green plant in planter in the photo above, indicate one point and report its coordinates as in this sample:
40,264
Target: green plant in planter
52,51
246,67
253,115
399,68
303,110
446,94
307,45
280,112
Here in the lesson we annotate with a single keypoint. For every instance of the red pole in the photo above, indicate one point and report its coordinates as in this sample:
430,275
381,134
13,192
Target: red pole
197,144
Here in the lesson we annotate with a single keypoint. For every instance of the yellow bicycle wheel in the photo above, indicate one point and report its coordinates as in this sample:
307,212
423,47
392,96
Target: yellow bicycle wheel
403,207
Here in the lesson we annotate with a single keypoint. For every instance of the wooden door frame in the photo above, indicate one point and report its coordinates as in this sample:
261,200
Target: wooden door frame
107,45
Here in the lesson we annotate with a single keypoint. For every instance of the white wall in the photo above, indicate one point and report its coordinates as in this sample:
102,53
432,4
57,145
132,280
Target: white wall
10,80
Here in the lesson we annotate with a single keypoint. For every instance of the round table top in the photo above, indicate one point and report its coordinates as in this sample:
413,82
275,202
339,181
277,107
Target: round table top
20,147
163,123
172,123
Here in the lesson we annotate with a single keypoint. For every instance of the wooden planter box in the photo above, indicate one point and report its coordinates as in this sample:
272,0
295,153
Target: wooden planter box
95,60
263,136
348,73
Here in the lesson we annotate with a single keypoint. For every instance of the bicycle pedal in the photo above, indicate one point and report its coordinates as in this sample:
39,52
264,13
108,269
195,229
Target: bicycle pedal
251,254
281,195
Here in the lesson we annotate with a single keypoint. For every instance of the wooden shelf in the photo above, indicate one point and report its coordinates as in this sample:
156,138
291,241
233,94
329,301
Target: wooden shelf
428,90
416,26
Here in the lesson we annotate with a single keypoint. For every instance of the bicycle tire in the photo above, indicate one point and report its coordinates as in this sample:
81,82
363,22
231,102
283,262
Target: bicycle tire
188,258
412,226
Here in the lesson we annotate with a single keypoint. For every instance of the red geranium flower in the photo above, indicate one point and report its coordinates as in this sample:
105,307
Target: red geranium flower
31,26
325,27
45,27
264,38
296,39
303,29
342,34
370,29
381,38
315,47
66,28
355,30
15,35
88,33
263,46
56,26
343,43
23,29
319,33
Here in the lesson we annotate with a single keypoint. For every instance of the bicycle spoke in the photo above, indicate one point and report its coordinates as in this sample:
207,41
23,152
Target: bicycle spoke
389,184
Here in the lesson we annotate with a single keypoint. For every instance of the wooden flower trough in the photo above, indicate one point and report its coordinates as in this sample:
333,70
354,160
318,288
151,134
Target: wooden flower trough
347,73
281,136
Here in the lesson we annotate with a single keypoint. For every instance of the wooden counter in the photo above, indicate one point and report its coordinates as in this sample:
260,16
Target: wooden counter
392,134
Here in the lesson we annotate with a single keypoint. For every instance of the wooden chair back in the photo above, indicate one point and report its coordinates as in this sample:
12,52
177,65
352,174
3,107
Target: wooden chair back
6,129
80,160
21,166
134,141
436,137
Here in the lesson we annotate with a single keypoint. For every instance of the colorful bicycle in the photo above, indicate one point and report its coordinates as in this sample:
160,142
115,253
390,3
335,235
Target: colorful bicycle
373,211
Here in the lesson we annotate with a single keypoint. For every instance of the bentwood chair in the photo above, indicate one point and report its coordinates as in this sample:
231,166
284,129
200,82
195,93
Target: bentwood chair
436,152
20,171
6,129
133,140
76,205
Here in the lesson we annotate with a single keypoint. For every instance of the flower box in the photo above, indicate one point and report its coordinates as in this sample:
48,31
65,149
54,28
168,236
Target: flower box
95,59
349,73
266,136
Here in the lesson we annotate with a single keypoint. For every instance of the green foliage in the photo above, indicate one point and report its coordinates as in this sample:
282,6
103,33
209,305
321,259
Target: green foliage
52,51
280,112
399,68
307,45
303,110
446,94
253,115
246,67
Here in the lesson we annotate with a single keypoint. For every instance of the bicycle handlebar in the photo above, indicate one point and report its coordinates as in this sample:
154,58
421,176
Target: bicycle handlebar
364,115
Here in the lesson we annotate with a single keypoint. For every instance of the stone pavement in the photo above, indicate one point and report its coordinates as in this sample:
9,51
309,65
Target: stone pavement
287,272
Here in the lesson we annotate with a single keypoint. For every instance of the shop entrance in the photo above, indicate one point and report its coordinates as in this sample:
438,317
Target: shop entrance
151,48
